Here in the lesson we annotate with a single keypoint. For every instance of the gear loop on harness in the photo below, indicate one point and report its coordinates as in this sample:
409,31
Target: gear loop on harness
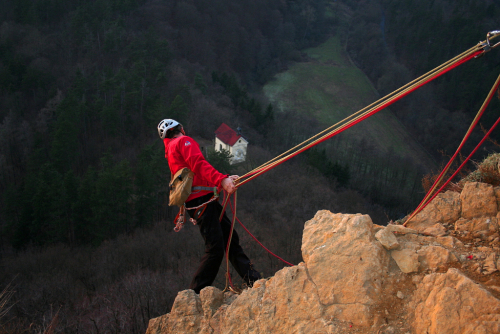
179,219
199,210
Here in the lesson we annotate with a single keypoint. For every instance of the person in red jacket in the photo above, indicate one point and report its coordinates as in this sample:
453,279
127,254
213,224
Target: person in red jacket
183,151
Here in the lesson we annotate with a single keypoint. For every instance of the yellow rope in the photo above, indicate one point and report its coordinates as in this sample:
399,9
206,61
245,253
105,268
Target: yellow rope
356,116
228,286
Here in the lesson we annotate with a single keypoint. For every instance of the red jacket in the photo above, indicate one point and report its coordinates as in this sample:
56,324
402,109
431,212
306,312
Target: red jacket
183,152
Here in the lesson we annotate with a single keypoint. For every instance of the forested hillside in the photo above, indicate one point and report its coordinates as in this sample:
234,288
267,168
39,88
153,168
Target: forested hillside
84,84
86,233
394,42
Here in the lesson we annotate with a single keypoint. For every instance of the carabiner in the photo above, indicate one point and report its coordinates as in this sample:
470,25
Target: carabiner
492,34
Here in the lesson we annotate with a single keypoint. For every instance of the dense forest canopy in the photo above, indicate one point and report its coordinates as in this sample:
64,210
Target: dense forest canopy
83,84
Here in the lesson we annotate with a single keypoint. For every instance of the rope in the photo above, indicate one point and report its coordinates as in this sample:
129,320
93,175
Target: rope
229,282
465,161
350,121
276,256
355,118
430,194
373,108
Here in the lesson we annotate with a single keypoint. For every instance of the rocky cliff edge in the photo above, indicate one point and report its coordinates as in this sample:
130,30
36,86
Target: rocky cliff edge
437,275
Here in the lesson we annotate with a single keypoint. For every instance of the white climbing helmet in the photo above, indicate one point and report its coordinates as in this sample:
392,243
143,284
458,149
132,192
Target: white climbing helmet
166,125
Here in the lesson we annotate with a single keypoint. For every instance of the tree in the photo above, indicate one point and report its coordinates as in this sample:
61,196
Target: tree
178,109
220,160
199,83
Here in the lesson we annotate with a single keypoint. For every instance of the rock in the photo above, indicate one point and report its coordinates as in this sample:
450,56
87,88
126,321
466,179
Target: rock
345,262
496,190
432,257
478,200
211,299
437,230
348,280
452,303
400,229
387,239
490,265
444,208
406,259
185,317
494,288
287,301
479,228
450,242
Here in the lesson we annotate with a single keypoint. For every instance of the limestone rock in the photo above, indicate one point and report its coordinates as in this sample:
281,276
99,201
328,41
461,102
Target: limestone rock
490,265
211,299
185,317
287,302
481,228
344,261
496,190
478,200
452,303
436,230
400,229
444,209
449,241
406,259
387,239
347,280
432,257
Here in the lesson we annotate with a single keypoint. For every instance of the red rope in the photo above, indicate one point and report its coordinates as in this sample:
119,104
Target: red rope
463,163
276,256
382,106
424,202
265,169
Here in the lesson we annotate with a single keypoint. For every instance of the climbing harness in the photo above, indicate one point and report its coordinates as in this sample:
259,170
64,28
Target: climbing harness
200,209
180,188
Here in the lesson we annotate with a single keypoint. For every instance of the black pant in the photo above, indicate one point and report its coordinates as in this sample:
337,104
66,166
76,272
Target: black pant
216,235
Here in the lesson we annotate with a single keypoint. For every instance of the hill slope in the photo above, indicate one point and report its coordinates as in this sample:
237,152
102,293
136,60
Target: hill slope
329,87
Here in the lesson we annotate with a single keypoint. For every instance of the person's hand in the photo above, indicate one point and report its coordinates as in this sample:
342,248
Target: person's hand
234,178
228,184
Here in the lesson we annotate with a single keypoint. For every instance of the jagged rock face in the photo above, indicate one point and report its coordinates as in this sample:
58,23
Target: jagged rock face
354,273
452,303
445,208
345,261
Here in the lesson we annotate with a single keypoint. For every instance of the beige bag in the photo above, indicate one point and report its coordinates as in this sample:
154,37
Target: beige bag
180,187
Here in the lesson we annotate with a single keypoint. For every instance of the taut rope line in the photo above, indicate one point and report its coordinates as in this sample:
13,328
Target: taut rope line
474,52
373,108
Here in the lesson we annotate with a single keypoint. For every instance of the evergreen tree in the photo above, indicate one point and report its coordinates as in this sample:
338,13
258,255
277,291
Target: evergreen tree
178,109
220,160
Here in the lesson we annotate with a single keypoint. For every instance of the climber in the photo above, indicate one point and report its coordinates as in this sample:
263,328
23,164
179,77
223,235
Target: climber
183,151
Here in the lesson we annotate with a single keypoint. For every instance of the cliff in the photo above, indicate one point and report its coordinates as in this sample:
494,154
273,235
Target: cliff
437,275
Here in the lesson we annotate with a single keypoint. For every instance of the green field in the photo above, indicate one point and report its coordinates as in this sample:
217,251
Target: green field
331,88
